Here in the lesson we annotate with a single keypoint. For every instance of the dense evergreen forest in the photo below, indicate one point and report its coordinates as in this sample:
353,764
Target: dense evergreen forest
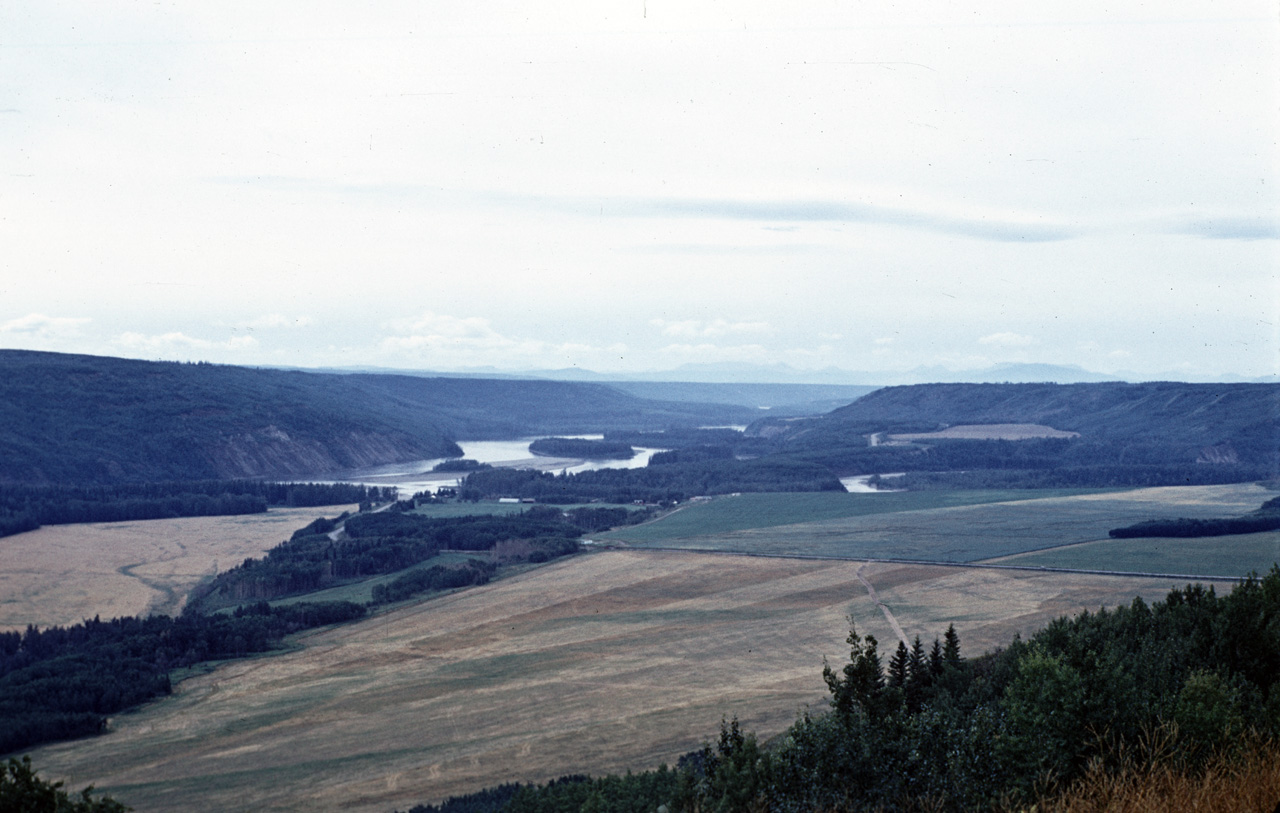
1175,683
62,682
580,448
328,552
89,419
1266,518
459,464
1129,435
652,484
26,507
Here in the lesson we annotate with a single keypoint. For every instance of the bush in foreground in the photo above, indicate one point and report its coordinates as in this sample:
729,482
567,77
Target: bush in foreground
21,791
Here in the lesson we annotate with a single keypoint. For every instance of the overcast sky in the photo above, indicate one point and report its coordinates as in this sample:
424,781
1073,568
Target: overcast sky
628,186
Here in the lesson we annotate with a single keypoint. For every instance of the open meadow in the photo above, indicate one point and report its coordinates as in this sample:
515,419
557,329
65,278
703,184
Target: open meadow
966,527
604,662
63,574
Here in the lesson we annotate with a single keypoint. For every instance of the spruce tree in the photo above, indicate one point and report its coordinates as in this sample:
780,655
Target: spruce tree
935,659
951,646
899,668
918,677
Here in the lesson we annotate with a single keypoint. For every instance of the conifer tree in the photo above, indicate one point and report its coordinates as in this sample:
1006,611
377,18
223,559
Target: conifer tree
899,669
860,683
951,646
935,659
918,677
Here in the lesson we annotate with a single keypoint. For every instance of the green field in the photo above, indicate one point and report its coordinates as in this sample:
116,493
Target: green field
1207,556
361,592
768,510
919,526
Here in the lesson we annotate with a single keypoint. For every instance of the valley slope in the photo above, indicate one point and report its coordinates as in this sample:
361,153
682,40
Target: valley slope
90,419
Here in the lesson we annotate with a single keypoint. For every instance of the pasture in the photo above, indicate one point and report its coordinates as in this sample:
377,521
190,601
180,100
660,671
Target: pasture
907,526
1210,556
746,511
604,662
63,574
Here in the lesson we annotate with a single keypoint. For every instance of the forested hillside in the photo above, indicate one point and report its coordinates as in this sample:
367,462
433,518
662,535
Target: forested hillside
1158,433
89,419
1244,416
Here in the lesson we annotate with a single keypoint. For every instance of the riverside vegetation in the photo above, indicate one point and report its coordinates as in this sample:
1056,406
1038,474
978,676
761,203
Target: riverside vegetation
62,682
1195,672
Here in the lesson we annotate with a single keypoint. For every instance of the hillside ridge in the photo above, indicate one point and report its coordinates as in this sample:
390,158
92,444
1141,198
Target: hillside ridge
85,419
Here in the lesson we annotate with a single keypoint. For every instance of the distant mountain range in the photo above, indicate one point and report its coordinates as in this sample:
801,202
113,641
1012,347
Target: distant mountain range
742,373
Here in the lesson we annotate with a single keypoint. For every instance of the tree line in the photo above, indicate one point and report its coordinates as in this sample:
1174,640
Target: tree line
62,682
373,544
27,507
652,484
1266,518
580,447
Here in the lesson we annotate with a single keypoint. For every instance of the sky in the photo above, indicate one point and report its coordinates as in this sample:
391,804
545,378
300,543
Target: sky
634,186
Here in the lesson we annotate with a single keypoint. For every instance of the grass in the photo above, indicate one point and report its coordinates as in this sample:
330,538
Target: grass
769,510
361,592
925,527
63,574
1230,556
613,661
1230,783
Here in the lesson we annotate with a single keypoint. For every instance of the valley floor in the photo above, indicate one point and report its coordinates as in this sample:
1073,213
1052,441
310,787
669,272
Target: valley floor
616,660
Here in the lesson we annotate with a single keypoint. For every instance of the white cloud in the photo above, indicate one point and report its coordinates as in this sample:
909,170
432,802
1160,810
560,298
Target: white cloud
1007,340
884,341
442,327
275,320
694,328
37,325
179,345
445,342
505,166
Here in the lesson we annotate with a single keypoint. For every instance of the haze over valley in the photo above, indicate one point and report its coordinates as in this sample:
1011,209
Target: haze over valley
647,407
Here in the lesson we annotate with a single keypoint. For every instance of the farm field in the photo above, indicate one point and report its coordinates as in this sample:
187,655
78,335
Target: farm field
1217,556
969,533
766,510
604,662
361,592
63,574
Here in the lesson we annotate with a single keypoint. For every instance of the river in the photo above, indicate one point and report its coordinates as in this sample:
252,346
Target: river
414,476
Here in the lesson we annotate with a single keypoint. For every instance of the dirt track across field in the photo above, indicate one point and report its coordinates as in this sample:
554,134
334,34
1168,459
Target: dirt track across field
63,574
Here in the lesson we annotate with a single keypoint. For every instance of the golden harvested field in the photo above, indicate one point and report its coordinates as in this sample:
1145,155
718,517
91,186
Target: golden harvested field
62,574
604,662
